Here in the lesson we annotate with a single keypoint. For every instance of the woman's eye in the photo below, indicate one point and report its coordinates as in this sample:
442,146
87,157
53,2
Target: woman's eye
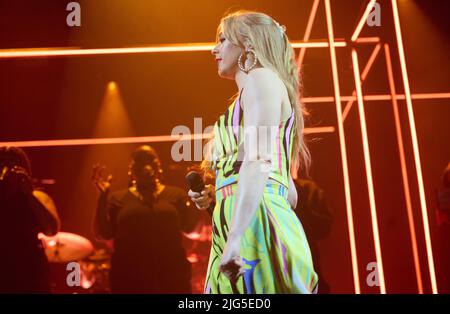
221,40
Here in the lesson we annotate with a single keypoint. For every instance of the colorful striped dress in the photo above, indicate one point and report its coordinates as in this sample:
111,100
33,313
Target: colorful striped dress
274,247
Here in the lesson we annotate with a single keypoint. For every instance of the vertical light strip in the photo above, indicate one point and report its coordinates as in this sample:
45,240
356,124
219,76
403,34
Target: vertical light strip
364,74
312,15
368,166
363,20
401,149
301,55
415,145
340,124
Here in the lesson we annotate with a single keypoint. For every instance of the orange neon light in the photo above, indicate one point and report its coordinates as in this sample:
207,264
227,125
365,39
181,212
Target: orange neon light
370,62
318,99
131,140
366,70
326,99
112,140
55,52
415,146
368,166
414,96
429,96
318,44
363,20
401,149
332,43
311,18
366,40
315,130
341,133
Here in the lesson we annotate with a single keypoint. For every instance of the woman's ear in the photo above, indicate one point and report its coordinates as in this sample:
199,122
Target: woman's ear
248,46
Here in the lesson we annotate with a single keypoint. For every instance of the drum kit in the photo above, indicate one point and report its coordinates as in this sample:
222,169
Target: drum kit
94,264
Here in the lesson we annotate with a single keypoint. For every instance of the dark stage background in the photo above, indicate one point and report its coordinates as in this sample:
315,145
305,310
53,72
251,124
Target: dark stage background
67,97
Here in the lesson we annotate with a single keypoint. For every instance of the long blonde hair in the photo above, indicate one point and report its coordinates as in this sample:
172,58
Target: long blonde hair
275,52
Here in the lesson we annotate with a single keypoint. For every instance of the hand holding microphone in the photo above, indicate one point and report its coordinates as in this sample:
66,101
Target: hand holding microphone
202,195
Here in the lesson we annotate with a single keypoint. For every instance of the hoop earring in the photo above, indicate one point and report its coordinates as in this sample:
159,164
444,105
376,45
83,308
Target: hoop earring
242,67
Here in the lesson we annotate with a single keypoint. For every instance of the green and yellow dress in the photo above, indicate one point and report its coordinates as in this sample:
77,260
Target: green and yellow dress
274,247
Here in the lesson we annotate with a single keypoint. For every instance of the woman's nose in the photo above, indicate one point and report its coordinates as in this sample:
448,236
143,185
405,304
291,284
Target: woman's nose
214,50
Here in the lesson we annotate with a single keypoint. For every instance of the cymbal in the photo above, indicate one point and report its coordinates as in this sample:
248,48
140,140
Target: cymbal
66,247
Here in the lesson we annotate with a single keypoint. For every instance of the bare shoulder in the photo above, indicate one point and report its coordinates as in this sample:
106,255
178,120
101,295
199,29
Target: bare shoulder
263,83
262,98
264,77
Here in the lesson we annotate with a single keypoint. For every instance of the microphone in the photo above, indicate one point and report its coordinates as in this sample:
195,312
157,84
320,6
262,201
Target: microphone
196,184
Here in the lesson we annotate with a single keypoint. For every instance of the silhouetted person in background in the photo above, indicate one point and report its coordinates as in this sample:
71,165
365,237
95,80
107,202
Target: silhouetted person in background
443,199
146,222
25,212
316,218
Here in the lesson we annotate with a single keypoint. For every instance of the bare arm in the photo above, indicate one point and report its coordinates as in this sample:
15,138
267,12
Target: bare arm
262,100
103,228
292,194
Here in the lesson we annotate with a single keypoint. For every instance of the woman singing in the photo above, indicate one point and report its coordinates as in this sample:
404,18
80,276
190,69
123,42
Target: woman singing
258,245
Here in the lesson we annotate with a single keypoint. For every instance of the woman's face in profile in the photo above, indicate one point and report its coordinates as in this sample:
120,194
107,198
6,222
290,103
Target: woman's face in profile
226,55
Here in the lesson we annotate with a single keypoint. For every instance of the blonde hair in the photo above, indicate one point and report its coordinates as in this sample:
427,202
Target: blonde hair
275,52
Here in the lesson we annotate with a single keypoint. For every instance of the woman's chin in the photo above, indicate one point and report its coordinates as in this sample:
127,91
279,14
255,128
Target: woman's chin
225,74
